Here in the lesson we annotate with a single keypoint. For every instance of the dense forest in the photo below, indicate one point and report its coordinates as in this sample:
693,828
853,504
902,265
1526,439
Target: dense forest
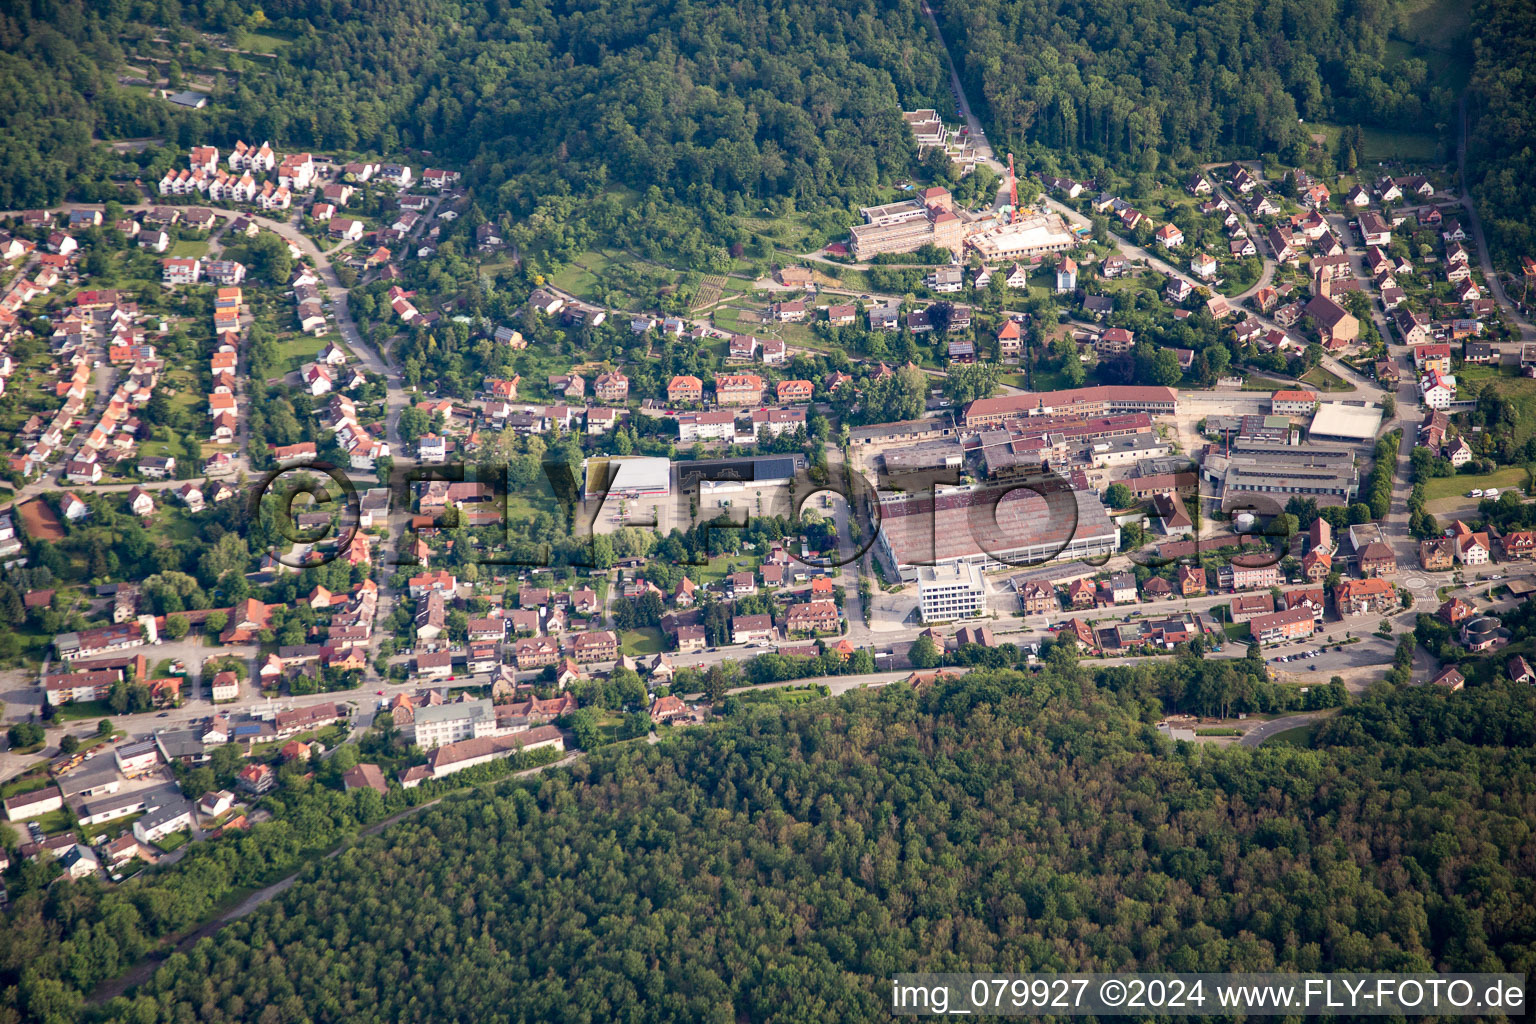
778,865
1501,161
697,112
1094,84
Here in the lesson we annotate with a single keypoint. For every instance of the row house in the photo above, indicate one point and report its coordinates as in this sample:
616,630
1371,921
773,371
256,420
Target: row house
1278,627
296,171
252,158
1238,576
227,187
595,646
738,389
273,197
813,617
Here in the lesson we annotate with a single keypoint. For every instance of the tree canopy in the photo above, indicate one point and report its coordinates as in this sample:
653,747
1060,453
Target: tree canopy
779,866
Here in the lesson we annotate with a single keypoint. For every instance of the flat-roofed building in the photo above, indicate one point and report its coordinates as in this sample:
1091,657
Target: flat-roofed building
949,592
1262,476
1026,237
992,527
1337,421
948,454
1127,448
903,432
638,476
906,227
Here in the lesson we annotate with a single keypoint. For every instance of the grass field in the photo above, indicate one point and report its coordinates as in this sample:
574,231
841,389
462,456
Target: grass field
174,841
299,349
1384,144
1473,371
76,710
265,42
1458,486
1325,380
1301,736
1432,25
53,822
1253,382
24,784
580,278
189,249
641,642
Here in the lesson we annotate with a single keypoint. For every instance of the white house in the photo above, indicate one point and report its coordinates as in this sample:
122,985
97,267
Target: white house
74,509
347,228
1066,275
192,496
174,815
317,379
214,804
1438,389
225,686
176,270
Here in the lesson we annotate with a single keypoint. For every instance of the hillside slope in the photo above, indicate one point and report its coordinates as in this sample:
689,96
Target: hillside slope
780,866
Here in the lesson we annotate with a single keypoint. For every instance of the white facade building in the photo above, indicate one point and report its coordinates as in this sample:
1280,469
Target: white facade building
949,592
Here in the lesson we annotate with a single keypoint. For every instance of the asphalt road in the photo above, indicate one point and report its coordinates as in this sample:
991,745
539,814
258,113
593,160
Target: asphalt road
1259,733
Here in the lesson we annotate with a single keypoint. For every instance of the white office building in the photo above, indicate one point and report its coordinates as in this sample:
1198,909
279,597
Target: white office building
951,591
441,724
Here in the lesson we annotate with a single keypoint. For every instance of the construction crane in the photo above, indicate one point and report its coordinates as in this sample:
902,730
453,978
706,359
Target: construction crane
1013,187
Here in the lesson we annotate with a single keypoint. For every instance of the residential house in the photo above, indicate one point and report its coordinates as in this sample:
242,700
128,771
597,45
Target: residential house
1169,237
612,387
1450,679
813,617
1066,275
685,389
1377,559
1437,553
1360,597
1278,627
1038,598
596,646
747,629
738,389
